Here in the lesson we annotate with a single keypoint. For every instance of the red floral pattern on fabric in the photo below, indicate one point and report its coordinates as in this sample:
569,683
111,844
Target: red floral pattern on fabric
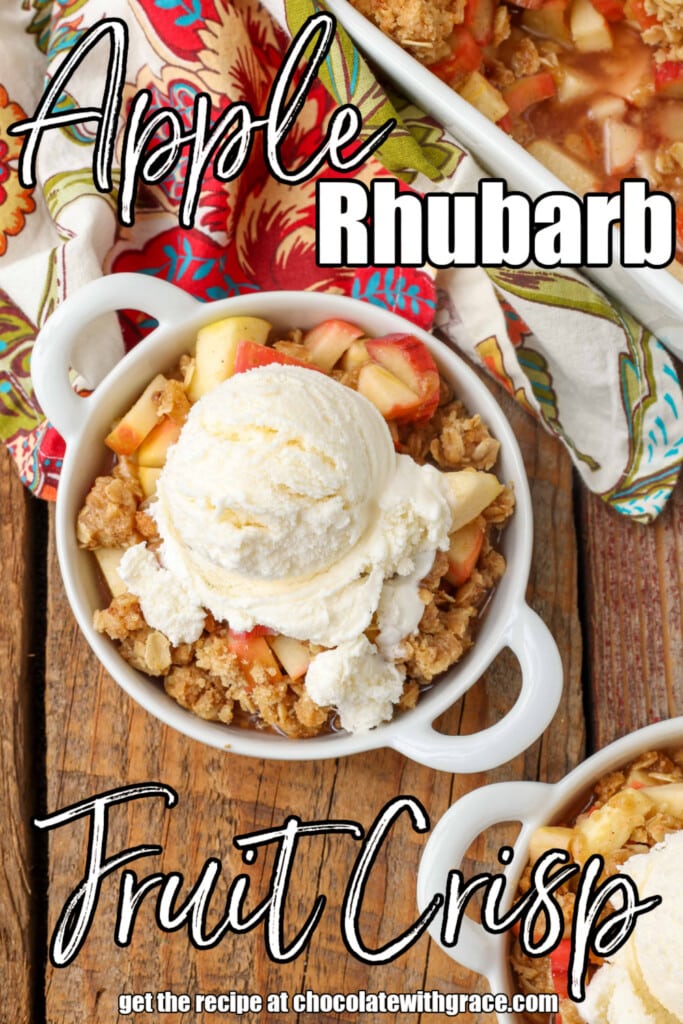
178,23
251,233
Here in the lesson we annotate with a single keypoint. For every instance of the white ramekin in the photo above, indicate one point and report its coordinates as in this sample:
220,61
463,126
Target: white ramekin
84,422
532,804
654,297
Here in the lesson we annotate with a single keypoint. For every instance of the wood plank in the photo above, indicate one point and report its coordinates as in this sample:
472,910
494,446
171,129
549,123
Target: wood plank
97,739
634,617
18,755
553,593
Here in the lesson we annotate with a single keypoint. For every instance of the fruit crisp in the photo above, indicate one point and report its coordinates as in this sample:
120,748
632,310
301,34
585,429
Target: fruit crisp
593,89
628,814
257,676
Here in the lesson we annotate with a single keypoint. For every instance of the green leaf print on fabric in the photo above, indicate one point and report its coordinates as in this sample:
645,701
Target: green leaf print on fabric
433,142
40,23
554,289
536,369
653,460
348,79
67,186
17,335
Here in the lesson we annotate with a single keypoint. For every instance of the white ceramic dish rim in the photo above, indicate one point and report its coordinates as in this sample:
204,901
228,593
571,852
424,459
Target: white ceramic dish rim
83,423
655,297
531,804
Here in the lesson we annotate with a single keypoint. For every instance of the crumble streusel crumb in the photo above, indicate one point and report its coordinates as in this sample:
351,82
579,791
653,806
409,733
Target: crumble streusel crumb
122,617
147,650
107,519
173,401
422,27
199,692
462,440
667,36
146,526
295,349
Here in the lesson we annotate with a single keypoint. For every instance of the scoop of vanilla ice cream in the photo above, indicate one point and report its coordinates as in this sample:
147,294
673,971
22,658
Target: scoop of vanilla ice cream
284,504
275,475
643,983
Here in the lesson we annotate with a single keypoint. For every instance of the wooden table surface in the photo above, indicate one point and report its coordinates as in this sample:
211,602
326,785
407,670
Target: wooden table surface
610,592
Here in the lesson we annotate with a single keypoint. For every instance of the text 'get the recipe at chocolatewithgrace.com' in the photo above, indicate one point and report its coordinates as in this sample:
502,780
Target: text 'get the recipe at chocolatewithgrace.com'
237,1004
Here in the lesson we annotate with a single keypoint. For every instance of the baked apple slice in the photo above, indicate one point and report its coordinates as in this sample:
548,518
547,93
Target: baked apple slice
355,356
293,655
328,342
590,30
148,476
108,560
255,655
152,452
409,359
463,552
394,399
217,347
470,491
133,428
249,356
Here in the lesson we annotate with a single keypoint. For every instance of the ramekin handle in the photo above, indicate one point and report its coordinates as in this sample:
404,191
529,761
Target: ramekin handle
532,642
476,948
60,344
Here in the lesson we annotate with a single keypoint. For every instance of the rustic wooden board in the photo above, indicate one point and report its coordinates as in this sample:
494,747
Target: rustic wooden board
98,739
634,617
18,730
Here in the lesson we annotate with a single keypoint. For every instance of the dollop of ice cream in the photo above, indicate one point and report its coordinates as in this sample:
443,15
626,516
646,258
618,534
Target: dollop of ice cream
358,681
284,504
643,983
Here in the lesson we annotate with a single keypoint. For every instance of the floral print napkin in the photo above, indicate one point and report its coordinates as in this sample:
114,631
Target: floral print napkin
593,376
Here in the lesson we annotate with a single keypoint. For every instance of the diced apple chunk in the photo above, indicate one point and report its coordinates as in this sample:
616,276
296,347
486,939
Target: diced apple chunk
527,91
142,416
293,655
548,21
108,560
258,661
564,166
463,552
356,355
470,491
479,19
250,355
410,360
574,85
488,100
548,837
216,348
328,342
391,396
605,106
622,142
667,119
148,476
609,827
152,451
667,798
590,30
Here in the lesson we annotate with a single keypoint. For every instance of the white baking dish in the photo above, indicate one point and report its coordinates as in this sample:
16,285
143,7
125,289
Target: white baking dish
84,422
655,297
532,804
